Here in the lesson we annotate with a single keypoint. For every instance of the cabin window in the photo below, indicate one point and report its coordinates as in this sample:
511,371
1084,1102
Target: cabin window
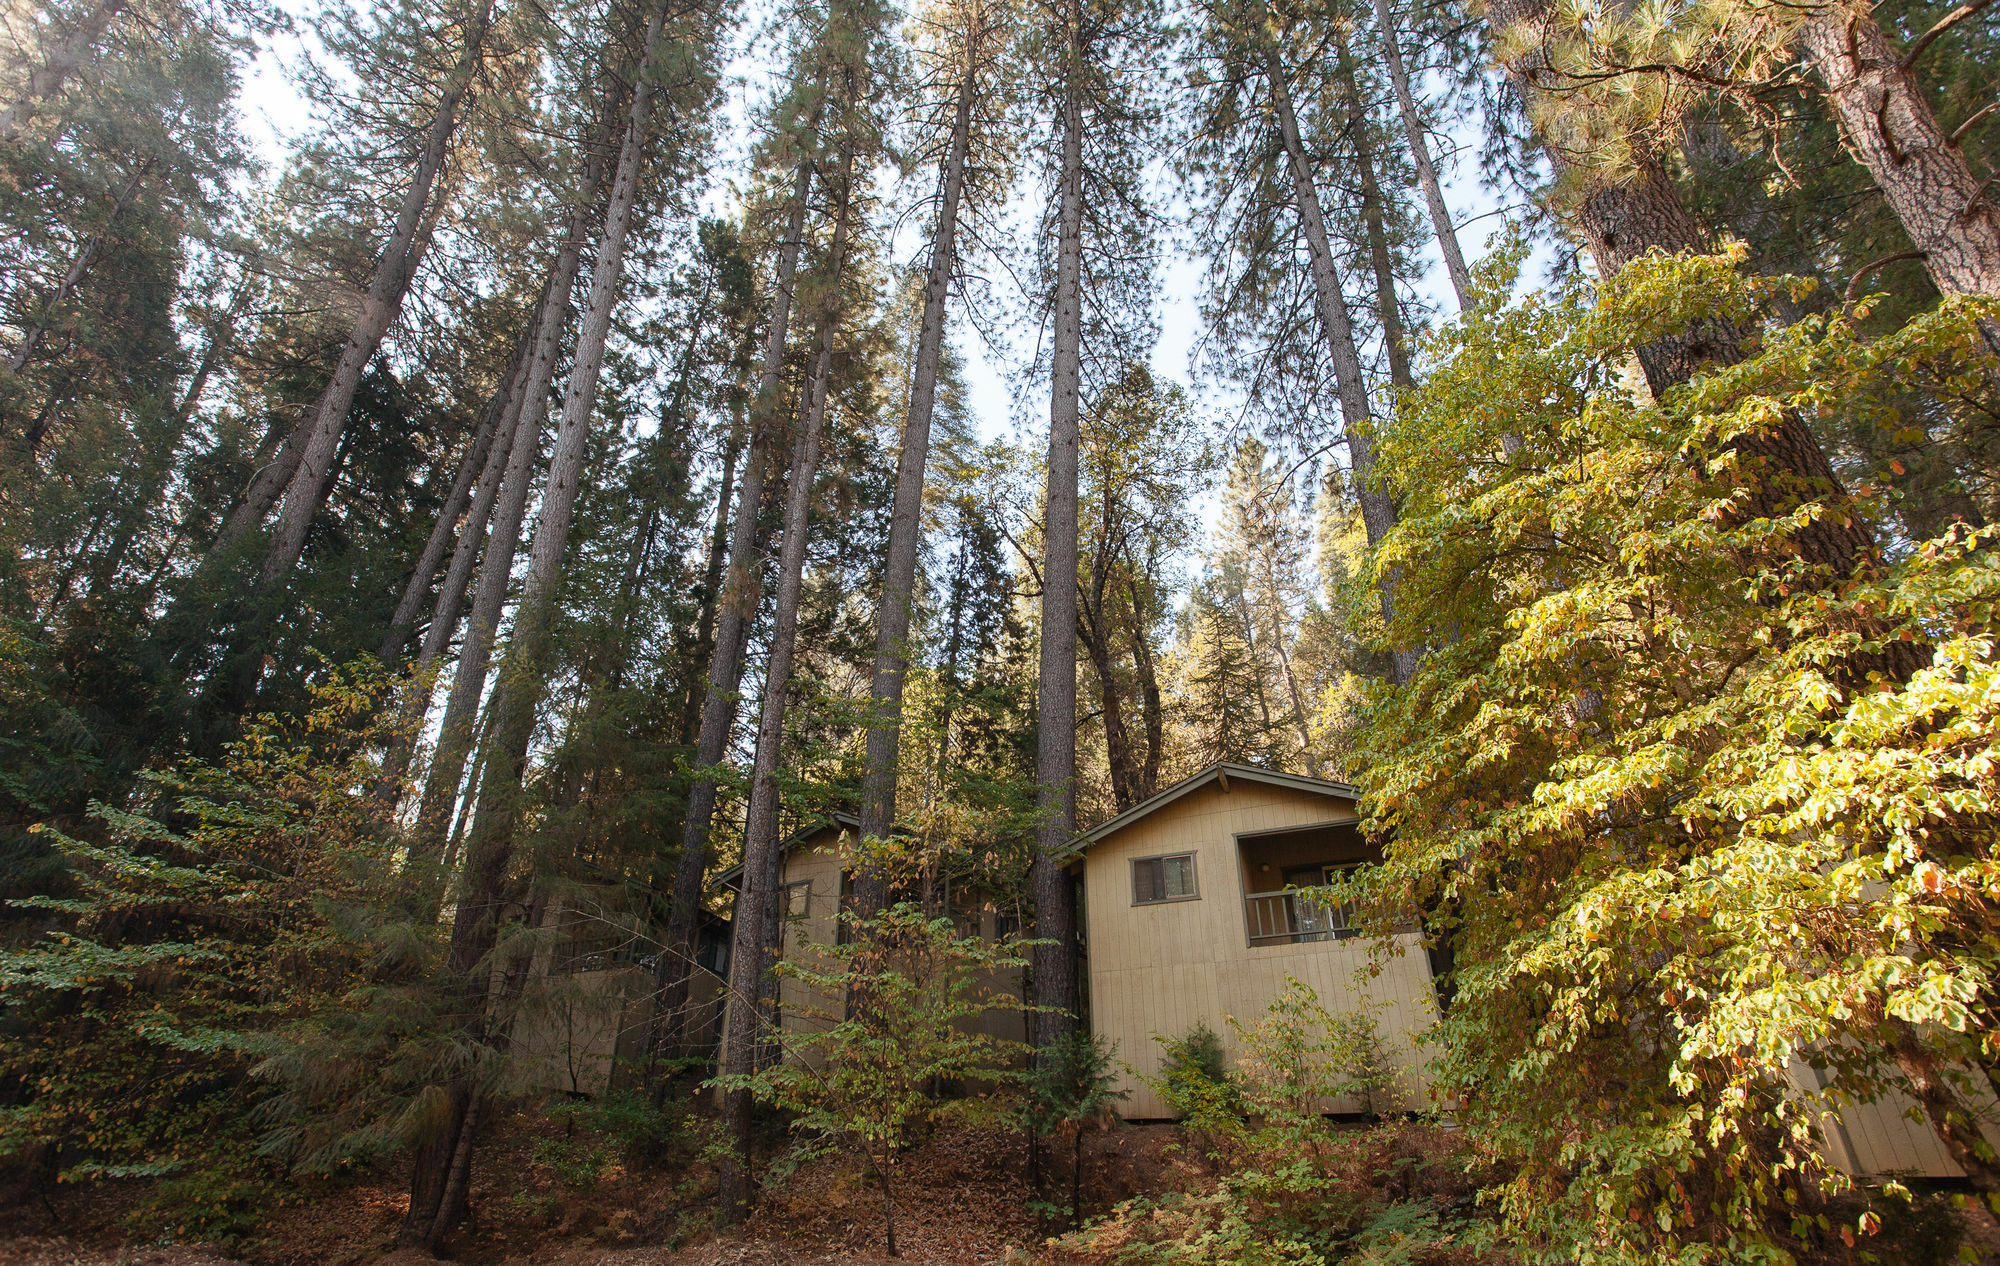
1168,878
797,899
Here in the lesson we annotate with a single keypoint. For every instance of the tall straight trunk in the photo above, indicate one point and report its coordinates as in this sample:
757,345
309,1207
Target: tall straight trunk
1624,220
1928,182
899,577
761,825
503,538
46,79
304,464
760,829
1395,339
712,573
1420,156
1150,709
1378,509
487,452
742,591
1053,961
451,594
490,843
221,336
79,266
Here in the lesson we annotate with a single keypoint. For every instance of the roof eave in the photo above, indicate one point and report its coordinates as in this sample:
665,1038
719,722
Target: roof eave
1216,773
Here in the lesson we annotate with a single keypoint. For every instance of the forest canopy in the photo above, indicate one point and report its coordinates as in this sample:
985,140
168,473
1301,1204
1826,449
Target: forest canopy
478,524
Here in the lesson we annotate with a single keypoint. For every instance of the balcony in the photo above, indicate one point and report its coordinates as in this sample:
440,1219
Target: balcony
1276,864
1286,918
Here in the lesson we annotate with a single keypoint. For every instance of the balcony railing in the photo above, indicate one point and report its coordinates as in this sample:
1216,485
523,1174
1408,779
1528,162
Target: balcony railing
1284,918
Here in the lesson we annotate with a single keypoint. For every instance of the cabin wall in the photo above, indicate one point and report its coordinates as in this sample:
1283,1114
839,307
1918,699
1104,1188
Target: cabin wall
815,925
1158,970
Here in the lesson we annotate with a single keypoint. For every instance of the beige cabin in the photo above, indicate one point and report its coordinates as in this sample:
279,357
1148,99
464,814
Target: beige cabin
1189,919
815,875
1191,916
581,1022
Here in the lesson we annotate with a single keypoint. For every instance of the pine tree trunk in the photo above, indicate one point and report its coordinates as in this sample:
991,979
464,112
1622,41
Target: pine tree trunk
79,266
1927,181
1624,220
1153,714
899,577
1395,340
489,849
1378,509
484,457
451,594
303,466
1420,157
760,829
46,79
742,592
1053,962
496,568
711,576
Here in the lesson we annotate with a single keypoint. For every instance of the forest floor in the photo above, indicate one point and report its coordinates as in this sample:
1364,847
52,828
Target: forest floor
962,1200
542,1197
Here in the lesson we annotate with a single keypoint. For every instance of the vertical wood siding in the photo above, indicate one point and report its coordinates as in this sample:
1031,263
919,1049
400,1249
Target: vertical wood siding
1158,970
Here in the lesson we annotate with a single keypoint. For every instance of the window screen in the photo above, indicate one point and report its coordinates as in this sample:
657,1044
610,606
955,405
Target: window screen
797,899
1169,878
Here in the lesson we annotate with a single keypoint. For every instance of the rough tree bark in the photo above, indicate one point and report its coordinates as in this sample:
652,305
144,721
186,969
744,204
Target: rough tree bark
304,462
899,577
1378,509
760,829
1626,219
437,1199
1053,962
742,591
455,733
1420,156
1927,181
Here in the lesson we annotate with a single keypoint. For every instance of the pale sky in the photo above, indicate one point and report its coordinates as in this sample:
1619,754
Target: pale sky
276,115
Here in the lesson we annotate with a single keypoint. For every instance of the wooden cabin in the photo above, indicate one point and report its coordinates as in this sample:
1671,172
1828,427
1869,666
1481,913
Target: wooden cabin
1189,918
585,1011
816,878
1190,915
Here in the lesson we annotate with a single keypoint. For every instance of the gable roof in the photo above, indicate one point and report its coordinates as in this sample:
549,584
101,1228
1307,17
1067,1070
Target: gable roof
820,822
1220,772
